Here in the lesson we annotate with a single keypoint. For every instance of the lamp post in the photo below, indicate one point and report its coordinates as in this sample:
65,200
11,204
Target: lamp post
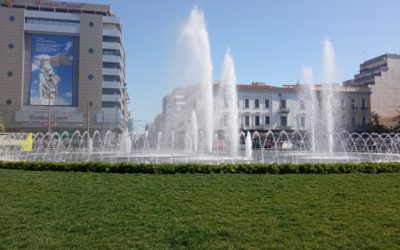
49,116
89,104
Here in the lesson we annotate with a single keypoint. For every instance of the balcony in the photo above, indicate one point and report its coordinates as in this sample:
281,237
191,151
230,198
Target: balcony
111,98
111,85
111,20
284,110
112,72
286,128
112,32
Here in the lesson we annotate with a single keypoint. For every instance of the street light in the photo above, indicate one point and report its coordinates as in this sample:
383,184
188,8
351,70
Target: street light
49,116
89,104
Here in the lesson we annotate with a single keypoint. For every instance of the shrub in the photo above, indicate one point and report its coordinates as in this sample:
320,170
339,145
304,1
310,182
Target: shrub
193,168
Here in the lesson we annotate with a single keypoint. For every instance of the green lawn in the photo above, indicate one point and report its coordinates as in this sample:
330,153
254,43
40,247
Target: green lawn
49,210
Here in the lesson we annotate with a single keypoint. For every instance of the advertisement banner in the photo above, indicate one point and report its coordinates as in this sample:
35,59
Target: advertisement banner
52,77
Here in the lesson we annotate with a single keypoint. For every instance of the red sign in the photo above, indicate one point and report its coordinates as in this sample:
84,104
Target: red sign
53,4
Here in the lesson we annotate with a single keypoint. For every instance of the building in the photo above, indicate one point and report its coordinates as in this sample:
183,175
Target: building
382,75
62,67
263,107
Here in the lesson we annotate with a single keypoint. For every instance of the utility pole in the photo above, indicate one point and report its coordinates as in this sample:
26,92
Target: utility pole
89,104
102,127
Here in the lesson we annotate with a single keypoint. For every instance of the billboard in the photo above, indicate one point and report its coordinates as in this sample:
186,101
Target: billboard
52,75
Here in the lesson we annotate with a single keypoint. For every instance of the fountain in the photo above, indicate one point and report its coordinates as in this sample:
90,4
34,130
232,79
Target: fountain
198,69
230,100
293,147
328,95
308,79
197,134
249,146
194,131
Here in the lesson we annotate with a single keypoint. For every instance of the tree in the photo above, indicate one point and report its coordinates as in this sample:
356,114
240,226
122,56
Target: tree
376,126
397,120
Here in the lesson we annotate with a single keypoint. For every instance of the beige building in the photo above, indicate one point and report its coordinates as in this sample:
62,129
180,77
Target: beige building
62,66
382,76
263,107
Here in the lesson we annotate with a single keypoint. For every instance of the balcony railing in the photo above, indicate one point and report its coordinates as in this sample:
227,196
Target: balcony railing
284,110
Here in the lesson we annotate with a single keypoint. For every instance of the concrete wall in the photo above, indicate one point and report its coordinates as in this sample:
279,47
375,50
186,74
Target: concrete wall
386,92
90,64
12,32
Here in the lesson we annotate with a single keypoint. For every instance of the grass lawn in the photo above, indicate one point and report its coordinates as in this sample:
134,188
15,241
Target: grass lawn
49,210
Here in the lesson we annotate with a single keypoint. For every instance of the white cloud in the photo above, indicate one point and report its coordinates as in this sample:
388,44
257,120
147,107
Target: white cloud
68,46
68,94
61,101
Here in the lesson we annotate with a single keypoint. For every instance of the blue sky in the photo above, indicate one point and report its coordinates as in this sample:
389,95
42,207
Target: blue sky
270,40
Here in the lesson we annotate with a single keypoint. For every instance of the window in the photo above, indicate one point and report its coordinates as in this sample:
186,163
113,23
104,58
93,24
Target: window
267,120
110,104
283,104
246,120
302,122
257,120
283,121
111,65
256,103
364,121
10,46
8,102
246,103
302,105
53,22
106,91
91,51
353,121
363,104
353,104
111,39
111,78
91,24
10,73
266,104
90,77
11,18
111,52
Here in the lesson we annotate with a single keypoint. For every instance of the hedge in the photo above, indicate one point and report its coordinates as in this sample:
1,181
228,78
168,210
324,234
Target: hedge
135,168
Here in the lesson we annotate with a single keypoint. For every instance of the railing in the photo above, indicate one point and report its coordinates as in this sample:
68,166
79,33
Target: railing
284,110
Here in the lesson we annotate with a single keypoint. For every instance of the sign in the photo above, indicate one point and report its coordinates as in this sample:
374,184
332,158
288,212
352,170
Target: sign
54,4
52,75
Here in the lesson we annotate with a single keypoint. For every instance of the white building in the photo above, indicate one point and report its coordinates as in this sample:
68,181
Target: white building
262,107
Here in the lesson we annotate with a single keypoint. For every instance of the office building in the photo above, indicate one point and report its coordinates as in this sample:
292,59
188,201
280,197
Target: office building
382,75
62,67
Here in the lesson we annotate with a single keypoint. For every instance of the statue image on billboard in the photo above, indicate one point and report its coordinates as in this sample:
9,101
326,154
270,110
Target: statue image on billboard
52,70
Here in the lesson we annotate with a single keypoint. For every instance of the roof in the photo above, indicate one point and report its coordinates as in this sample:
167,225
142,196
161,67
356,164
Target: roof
266,87
381,57
100,8
262,86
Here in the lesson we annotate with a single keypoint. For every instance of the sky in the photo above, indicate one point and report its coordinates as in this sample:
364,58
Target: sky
270,40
